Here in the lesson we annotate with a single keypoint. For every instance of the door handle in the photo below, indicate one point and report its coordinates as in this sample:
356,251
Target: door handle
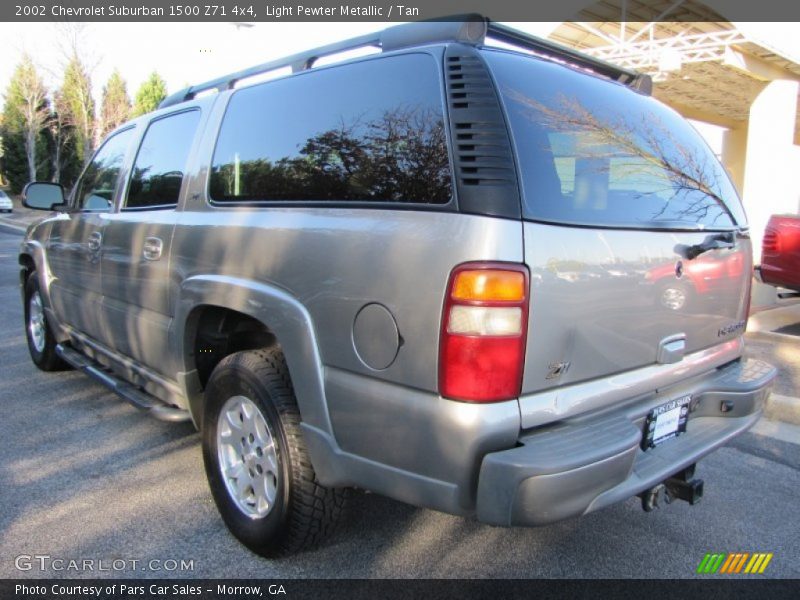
152,249
95,241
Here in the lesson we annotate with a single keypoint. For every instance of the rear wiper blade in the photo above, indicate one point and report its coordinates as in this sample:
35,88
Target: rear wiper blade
716,241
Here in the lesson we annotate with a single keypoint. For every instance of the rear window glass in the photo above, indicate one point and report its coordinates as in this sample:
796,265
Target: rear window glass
369,131
592,152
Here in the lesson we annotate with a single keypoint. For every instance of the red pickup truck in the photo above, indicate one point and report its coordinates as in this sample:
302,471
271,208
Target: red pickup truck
780,252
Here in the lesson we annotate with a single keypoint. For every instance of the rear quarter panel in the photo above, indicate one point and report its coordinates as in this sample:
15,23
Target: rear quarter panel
336,261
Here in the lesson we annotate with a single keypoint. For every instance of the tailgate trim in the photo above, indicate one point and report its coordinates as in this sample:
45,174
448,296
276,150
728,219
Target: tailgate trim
569,401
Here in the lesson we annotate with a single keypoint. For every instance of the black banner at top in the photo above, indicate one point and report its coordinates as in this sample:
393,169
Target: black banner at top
396,10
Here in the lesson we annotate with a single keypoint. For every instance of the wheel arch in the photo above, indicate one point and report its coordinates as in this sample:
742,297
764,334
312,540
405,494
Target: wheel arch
27,266
31,259
278,317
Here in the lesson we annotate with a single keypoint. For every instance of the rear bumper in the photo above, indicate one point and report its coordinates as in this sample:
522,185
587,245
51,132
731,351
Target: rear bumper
585,464
779,277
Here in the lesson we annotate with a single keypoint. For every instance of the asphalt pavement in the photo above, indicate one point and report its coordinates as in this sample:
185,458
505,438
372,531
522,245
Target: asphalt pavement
85,476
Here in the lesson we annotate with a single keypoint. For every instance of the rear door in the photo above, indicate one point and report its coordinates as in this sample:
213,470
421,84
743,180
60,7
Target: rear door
633,232
136,256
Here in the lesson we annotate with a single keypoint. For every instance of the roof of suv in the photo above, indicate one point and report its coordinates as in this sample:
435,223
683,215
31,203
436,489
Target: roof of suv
466,29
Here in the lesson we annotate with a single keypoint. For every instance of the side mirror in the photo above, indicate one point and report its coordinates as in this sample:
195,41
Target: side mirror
39,195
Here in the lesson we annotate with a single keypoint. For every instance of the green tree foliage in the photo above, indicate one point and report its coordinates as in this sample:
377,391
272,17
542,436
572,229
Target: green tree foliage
66,162
2,170
24,129
78,106
150,94
116,105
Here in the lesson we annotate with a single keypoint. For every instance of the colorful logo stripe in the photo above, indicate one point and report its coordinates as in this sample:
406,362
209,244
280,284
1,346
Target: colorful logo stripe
732,563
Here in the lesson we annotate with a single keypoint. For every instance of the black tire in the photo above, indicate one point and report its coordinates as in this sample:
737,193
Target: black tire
303,511
44,356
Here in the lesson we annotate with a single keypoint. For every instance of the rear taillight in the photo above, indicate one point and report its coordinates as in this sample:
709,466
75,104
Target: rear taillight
772,242
484,324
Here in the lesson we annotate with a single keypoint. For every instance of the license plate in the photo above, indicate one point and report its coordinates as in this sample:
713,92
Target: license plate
666,422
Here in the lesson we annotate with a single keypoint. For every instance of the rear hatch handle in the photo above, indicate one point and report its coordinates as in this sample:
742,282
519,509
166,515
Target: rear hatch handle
671,349
715,241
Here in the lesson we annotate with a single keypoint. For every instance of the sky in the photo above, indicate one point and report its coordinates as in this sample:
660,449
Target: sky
194,52
183,54
190,53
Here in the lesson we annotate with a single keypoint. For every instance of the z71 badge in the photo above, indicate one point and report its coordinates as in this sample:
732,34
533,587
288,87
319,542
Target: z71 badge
732,328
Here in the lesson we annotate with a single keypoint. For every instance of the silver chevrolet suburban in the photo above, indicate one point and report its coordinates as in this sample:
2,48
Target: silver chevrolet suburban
497,282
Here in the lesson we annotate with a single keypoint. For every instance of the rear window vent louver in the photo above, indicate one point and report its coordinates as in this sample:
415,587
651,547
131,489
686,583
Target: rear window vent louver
469,83
485,173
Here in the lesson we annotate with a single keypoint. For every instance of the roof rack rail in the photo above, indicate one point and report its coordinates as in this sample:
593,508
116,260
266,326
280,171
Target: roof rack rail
467,29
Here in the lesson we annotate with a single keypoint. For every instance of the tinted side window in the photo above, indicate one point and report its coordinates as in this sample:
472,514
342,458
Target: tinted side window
161,161
95,189
368,131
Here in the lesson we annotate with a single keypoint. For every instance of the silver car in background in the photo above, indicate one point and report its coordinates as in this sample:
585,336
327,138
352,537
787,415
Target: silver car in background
6,205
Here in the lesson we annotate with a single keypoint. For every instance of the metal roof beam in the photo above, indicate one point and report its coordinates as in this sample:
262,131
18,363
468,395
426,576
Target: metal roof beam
657,20
699,47
595,31
755,67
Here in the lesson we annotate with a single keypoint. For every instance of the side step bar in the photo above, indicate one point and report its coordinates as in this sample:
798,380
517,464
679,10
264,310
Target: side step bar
138,398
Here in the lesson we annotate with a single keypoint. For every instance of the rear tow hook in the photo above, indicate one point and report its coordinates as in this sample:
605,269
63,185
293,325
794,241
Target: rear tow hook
681,486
